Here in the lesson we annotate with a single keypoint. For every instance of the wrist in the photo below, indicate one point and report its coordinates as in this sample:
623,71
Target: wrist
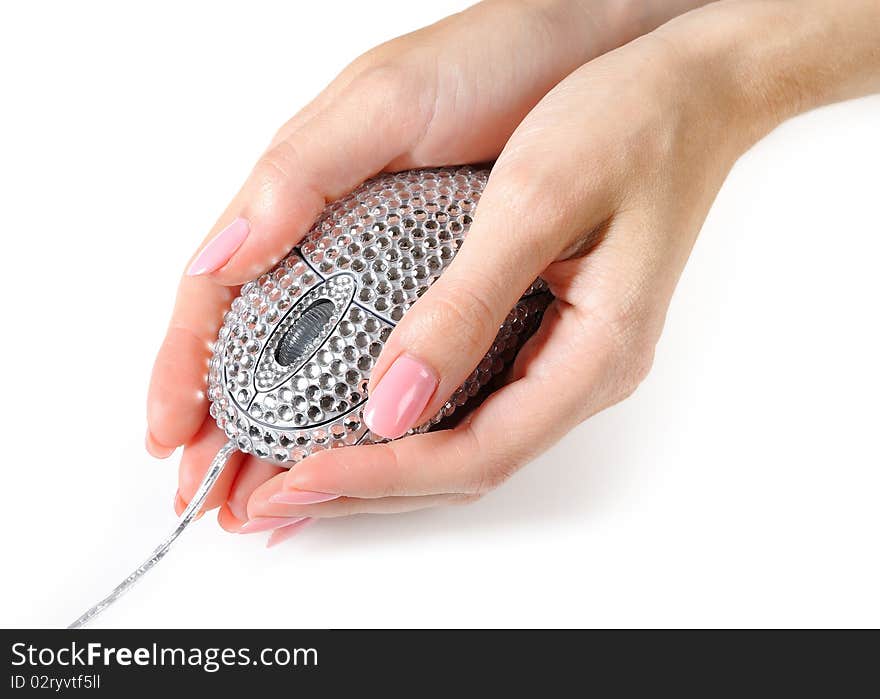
595,27
633,18
764,61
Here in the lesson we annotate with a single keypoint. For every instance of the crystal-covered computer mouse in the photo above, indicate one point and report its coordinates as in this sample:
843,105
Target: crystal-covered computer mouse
293,357
291,363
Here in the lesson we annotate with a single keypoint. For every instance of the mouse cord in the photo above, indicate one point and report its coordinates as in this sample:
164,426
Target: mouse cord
216,468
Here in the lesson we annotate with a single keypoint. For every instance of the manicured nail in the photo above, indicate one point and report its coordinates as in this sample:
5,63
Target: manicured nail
300,497
222,246
284,533
401,396
263,524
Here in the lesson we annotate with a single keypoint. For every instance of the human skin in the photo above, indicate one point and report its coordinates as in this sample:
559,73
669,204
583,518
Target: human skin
620,153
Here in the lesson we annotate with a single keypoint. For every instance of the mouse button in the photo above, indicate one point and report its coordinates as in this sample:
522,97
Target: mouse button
302,331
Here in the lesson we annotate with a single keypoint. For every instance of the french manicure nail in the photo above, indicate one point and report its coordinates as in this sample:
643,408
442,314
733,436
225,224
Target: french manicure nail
300,497
263,524
221,247
401,396
284,533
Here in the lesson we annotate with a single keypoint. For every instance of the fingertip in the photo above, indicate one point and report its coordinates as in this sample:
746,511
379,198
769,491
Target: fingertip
220,248
253,475
195,460
156,450
277,212
228,521
284,533
179,504
177,404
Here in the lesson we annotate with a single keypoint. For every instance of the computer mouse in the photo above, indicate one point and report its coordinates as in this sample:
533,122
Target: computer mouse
289,371
293,358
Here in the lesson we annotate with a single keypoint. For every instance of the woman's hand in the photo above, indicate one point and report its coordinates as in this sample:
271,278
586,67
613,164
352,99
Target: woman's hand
600,190
450,93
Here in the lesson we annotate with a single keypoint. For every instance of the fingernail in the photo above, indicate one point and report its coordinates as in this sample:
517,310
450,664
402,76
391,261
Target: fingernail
221,247
401,396
284,533
262,524
155,449
300,497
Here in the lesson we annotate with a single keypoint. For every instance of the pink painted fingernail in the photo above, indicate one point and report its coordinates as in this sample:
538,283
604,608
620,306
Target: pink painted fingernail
284,533
300,497
263,524
221,247
401,396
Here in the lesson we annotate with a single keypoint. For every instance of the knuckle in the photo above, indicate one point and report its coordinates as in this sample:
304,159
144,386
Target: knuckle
526,183
523,183
492,474
374,57
396,482
384,77
628,339
379,66
514,175
388,81
491,470
635,369
462,313
275,169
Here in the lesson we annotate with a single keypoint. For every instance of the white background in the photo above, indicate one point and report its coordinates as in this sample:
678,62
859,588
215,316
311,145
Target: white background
738,487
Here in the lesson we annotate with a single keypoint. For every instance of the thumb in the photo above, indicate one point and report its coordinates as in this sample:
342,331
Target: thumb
447,332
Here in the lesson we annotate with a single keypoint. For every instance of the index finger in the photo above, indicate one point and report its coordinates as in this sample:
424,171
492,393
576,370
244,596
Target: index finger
332,151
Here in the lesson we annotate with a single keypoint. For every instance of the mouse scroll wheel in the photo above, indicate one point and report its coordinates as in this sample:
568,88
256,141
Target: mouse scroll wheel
299,340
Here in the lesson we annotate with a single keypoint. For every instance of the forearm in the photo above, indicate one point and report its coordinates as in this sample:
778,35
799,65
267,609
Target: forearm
587,28
769,60
629,19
